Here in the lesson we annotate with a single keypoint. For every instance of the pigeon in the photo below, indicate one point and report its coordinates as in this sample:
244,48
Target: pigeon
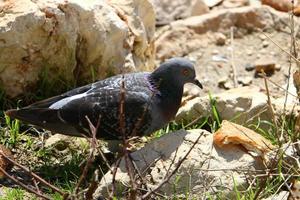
144,101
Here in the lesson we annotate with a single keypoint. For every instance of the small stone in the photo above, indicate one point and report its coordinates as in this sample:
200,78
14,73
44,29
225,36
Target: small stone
215,52
262,37
219,58
278,67
235,3
265,64
263,51
228,85
222,80
249,52
4,163
212,3
245,81
249,67
265,44
258,56
225,83
220,39
58,141
255,3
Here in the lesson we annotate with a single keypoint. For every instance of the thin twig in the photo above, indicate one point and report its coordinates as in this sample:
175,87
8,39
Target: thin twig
23,185
32,174
172,163
277,85
271,106
36,186
114,172
232,57
293,57
90,159
125,141
93,186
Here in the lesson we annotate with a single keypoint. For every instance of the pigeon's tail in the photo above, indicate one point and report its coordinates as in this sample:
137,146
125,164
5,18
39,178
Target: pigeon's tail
44,118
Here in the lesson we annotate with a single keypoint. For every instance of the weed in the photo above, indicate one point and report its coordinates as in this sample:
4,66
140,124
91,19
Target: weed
13,194
11,134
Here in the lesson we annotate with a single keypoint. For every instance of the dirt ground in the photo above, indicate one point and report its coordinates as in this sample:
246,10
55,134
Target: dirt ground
214,61
246,51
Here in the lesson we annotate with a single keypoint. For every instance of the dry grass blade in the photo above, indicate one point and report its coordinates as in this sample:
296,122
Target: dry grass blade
90,160
232,57
271,106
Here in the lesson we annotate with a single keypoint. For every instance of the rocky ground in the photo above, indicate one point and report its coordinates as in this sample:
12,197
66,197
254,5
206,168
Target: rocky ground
230,41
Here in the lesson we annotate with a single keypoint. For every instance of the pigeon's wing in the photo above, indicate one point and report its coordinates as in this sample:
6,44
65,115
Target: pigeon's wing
104,107
48,102
67,113
111,81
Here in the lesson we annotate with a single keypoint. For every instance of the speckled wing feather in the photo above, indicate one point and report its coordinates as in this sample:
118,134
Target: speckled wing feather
67,113
103,103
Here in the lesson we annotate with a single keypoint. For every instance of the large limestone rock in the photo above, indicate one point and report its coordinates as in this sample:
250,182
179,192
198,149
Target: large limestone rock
182,37
242,105
206,169
72,38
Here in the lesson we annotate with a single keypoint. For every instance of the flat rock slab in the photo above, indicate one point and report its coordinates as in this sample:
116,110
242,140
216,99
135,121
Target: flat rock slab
242,105
206,169
74,40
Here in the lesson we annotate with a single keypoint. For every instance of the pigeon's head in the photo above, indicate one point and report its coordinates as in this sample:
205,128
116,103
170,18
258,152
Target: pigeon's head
177,70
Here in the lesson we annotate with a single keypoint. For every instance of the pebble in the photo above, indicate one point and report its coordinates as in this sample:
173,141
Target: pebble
249,52
249,67
262,36
265,64
278,67
220,39
225,83
222,80
219,58
215,52
244,81
59,142
228,85
212,3
235,3
265,44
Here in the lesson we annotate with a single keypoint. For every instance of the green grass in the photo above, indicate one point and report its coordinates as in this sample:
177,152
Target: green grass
65,175
63,170
13,129
13,194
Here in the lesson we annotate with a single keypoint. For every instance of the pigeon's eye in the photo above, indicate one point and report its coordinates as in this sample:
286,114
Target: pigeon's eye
185,72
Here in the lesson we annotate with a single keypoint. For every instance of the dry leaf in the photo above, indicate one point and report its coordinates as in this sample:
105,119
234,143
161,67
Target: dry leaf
231,133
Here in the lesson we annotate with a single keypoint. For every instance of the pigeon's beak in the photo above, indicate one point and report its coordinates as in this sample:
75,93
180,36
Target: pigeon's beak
196,82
